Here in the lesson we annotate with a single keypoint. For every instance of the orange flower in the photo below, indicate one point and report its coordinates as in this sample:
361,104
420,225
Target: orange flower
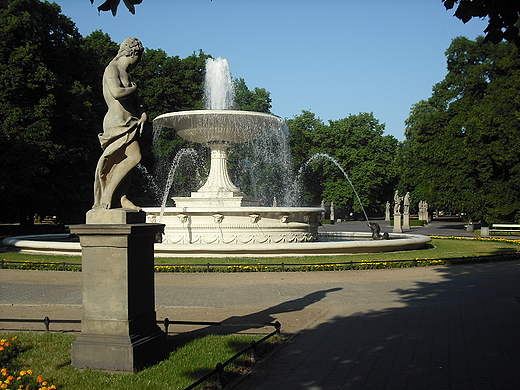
39,379
1,348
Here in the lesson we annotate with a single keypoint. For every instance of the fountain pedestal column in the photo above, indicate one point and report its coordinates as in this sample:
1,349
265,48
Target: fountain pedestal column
118,328
219,190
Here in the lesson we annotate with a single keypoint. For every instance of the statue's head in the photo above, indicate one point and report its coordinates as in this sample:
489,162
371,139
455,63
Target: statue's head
130,47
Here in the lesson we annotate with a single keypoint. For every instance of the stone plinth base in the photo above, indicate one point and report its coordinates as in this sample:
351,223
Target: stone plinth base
127,353
118,328
406,221
115,216
397,223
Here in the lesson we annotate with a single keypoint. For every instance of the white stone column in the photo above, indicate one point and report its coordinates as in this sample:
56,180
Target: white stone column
397,223
406,221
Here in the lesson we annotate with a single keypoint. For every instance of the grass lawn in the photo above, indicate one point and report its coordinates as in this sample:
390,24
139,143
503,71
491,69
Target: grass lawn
48,355
440,248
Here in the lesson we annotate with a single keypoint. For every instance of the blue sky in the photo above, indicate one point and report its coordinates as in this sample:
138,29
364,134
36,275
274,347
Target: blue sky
332,57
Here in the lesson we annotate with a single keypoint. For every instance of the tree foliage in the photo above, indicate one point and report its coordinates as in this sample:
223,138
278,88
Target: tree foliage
112,5
503,17
258,100
358,144
461,148
46,133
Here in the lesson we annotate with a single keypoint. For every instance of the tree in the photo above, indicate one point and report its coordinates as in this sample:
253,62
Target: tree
358,144
258,100
46,136
503,17
461,144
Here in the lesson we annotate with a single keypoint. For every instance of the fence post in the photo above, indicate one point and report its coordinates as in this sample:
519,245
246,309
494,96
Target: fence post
220,373
47,322
277,326
252,357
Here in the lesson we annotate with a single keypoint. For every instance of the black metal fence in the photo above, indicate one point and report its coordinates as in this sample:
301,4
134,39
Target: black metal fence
217,373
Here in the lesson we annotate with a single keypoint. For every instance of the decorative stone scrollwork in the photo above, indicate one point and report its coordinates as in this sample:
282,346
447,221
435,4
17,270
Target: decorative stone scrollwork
284,218
306,218
151,218
254,218
218,218
183,218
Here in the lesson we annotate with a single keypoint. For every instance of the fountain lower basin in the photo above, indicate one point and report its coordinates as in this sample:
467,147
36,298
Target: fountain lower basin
337,243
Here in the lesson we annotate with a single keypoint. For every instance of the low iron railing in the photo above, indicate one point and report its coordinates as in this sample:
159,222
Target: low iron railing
218,371
165,323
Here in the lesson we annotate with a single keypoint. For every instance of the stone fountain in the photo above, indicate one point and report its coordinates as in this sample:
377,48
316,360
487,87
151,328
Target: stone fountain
219,213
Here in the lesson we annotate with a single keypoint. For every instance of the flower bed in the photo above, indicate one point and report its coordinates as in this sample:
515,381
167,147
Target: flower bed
11,377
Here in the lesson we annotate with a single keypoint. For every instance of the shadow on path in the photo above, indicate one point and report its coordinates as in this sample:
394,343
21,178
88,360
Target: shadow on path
457,333
253,320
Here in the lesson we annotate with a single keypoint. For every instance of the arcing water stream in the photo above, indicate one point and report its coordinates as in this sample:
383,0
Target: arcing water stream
335,162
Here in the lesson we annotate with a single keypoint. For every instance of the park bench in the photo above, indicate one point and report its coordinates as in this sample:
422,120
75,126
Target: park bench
505,228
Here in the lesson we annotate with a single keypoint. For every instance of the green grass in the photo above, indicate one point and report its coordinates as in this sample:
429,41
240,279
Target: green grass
48,355
440,248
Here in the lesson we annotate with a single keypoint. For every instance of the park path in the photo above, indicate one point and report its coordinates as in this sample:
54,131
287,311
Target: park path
418,328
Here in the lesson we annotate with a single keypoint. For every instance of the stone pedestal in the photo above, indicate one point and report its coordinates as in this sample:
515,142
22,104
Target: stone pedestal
118,329
406,221
397,223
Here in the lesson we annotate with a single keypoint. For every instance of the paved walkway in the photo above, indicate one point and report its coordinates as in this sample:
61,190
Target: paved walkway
419,328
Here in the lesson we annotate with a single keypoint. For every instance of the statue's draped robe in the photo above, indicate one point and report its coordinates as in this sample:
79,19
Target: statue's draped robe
113,139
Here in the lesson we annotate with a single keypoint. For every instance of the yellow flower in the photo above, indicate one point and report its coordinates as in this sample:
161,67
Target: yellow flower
29,372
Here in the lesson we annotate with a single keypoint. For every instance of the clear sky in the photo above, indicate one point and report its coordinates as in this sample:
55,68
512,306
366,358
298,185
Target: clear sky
331,57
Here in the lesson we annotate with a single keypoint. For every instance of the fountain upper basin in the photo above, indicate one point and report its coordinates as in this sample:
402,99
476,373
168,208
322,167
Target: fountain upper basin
207,126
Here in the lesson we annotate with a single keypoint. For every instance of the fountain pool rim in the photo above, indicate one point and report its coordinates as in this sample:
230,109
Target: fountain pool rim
50,244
